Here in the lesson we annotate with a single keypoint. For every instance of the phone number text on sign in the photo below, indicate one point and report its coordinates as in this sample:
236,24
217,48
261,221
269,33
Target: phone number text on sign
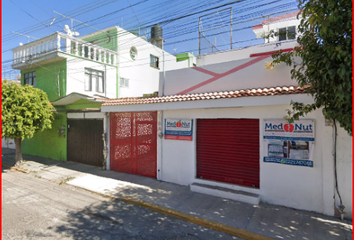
179,129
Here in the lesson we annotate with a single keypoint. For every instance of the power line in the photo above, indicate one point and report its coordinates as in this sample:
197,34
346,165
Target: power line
175,33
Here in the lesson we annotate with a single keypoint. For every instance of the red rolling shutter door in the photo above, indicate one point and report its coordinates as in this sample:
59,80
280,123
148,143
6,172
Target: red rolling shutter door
228,151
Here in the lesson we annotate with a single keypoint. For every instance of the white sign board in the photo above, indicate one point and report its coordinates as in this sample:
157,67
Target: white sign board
289,143
179,129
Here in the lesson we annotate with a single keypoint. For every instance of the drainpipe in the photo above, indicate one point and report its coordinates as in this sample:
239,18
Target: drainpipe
117,66
105,80
161,134
58,82
341,206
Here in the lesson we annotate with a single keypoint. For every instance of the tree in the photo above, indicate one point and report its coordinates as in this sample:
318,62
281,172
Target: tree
325,47
25,111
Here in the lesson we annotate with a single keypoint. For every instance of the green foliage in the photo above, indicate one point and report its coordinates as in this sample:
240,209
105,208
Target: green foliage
325,47
25,111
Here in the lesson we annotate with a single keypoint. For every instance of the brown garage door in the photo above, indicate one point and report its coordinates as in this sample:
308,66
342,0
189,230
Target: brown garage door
133,141
228,151
85,144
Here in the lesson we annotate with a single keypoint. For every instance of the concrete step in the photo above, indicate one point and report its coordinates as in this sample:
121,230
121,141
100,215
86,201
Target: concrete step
217,191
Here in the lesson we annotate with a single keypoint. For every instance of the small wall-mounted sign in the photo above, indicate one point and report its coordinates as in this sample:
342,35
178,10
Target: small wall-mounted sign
179,129
289,143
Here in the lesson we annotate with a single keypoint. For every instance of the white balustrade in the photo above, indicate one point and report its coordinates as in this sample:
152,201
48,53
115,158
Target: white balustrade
73,46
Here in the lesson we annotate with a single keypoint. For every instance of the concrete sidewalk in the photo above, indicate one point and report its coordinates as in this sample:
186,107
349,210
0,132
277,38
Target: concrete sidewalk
267,220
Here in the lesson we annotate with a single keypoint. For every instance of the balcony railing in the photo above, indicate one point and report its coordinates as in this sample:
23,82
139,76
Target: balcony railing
60,42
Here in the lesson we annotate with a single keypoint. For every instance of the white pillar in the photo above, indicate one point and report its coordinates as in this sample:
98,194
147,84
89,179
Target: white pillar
77,48
82,50
58,42
99,55
68,45
94,53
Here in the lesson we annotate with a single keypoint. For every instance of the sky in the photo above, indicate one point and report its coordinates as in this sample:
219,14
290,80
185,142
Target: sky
179,19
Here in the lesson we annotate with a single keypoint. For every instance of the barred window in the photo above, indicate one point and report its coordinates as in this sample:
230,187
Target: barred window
30,78
154,61
287,33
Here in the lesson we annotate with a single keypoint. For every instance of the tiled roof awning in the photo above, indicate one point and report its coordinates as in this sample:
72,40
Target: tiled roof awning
272,91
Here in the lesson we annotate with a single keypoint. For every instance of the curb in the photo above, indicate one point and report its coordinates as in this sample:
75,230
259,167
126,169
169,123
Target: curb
238,232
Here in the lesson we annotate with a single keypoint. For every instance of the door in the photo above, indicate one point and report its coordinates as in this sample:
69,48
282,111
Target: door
228,151
85,143
133,143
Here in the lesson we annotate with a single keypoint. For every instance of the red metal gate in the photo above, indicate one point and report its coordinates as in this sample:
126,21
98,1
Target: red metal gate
133,143
228,150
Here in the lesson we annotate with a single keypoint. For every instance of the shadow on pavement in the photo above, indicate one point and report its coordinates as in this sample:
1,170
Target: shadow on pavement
265,219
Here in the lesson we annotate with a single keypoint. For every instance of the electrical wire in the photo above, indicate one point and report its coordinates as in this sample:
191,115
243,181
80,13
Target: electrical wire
171,35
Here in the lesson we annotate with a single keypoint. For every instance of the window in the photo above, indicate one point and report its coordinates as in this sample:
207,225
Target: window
30,78
154,61
287,33
94,78
124,82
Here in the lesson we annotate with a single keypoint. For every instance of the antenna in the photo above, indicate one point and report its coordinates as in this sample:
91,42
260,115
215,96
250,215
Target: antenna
52,22
28,37
72,19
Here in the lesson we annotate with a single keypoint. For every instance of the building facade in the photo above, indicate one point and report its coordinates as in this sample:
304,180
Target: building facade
79,74
219,128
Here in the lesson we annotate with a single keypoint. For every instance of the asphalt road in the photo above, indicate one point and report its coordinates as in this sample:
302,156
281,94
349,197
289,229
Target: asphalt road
34,208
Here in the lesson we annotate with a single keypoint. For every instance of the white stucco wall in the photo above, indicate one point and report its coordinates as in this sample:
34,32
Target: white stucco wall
143,79
76,77
8,143
254,75
344,168
292,186
274,27
85,115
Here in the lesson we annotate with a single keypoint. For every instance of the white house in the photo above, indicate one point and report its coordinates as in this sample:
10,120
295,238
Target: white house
219,128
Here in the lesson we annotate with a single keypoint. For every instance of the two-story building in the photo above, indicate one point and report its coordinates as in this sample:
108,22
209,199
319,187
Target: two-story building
79,74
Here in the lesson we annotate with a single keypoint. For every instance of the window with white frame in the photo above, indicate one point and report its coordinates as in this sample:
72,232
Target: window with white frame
287,33
30,78
154,61
124,82
94,80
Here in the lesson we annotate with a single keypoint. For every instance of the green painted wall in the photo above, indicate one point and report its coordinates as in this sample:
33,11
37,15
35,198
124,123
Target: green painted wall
48,143
102,39
81,104
184,56
47,79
